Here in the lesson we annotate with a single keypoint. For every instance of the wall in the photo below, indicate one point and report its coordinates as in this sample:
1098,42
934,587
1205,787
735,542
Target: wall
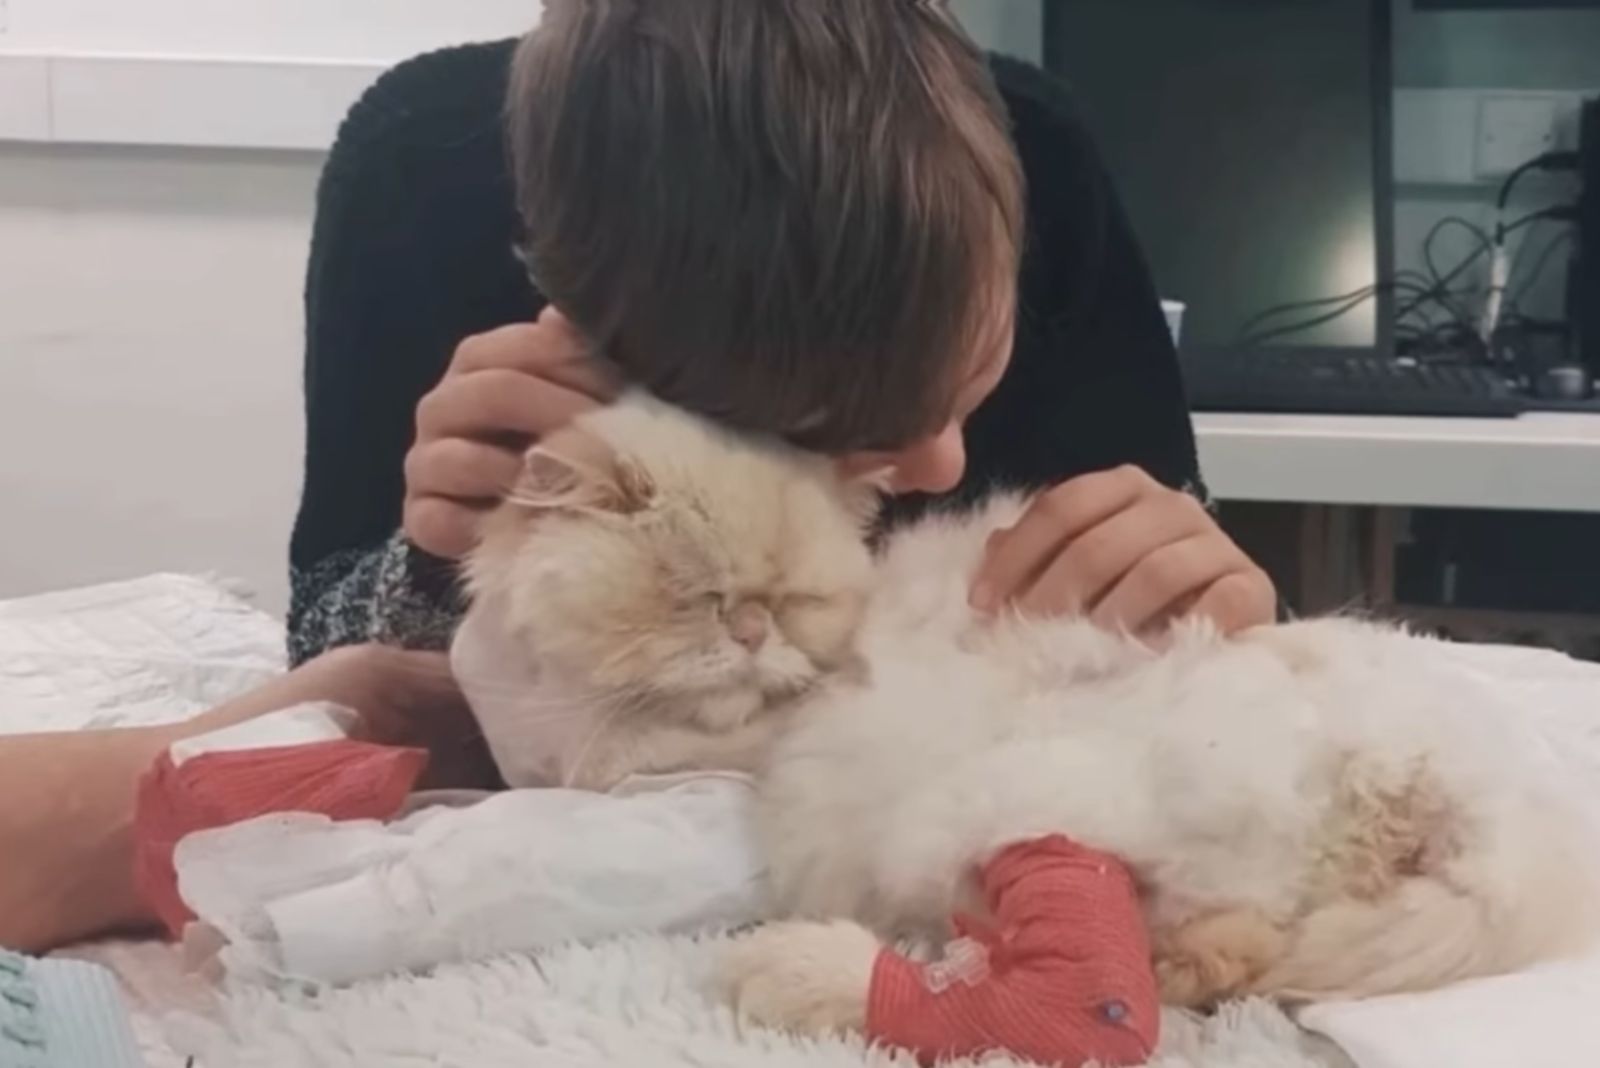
1541,49
150,326
1013,27
1471,50
328,30
150,353
244,74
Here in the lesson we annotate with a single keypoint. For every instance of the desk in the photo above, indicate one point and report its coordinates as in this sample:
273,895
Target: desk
1542,461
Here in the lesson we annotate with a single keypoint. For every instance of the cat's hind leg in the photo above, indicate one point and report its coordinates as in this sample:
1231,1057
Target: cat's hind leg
1217,956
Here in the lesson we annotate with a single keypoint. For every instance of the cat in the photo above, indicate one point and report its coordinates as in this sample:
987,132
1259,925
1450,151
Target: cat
1311,810
672,587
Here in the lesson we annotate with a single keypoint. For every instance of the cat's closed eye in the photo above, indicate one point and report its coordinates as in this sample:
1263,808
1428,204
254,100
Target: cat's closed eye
713,605
802,601
818,622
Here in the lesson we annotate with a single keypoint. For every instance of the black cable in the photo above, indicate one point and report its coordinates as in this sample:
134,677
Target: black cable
1472,228
1564,212
1299,305
1439,292
1401,282
1448,339
1441,284
1436,291
1549,161
1500,267
1398,282
1309,324
1429,291
1454,319
1540,263
1425,283
1349,302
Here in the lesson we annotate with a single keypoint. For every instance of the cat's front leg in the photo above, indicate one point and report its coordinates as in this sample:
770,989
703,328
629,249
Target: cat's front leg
805,978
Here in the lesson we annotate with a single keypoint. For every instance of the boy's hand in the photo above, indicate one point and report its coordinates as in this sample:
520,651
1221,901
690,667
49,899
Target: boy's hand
504,391
412,699
1128,552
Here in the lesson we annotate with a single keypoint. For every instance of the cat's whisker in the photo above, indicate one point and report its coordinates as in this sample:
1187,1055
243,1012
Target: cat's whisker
530,693
626,650
581,758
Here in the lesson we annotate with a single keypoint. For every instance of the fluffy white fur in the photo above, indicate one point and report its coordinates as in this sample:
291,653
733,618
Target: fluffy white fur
1311,810
673,586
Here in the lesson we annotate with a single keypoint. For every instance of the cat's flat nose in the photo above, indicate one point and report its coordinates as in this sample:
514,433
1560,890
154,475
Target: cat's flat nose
749,625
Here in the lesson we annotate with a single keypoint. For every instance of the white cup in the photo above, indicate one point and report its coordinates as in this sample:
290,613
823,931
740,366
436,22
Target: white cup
1174,310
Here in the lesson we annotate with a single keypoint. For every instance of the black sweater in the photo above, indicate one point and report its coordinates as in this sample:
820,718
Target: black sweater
412,252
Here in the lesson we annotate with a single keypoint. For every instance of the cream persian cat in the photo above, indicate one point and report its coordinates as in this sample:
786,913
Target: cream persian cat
673,588
1310,810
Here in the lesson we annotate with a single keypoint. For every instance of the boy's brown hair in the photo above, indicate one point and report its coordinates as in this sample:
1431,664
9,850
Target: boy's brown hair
802,217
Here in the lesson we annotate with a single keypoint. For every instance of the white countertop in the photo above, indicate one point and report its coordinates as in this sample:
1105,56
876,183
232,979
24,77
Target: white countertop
1541,461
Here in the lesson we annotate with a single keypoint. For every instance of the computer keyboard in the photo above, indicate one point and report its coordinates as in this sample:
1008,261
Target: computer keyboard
1352,384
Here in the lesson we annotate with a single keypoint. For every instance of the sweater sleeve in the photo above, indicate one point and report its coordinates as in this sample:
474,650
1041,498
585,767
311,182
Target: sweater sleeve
389,593
1095,381
410,253
348,573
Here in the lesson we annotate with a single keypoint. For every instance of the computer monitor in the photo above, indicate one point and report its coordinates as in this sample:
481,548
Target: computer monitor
1583,300
1501,5
1250,142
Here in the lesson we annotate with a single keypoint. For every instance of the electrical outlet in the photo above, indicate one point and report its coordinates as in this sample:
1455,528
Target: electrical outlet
1514,129
5,16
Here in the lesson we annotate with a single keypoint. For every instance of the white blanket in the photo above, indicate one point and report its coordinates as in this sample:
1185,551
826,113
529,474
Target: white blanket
166,647
151,650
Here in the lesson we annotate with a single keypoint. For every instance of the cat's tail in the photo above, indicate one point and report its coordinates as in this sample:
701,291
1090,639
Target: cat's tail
1527,900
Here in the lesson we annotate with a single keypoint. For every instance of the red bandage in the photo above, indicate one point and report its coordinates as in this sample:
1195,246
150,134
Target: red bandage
1062,976
344,780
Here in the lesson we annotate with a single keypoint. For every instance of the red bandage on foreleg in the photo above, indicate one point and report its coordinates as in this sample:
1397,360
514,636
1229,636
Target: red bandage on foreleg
1062,975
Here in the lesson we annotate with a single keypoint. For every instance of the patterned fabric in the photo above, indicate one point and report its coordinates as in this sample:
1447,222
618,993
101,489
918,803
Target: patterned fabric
391,594
62,1014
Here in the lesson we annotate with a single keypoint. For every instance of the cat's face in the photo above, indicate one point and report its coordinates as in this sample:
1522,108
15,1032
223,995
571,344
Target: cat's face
653,558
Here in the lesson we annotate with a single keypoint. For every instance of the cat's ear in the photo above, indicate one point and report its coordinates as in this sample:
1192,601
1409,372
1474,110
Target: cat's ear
574,471
551,482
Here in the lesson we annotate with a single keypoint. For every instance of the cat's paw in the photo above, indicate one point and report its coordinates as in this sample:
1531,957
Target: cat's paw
1216,957
806,978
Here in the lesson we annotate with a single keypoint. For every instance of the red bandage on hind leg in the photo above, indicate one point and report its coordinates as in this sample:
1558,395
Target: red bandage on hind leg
1062,976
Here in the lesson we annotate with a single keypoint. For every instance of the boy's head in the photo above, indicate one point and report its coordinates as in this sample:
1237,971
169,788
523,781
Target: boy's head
796,216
